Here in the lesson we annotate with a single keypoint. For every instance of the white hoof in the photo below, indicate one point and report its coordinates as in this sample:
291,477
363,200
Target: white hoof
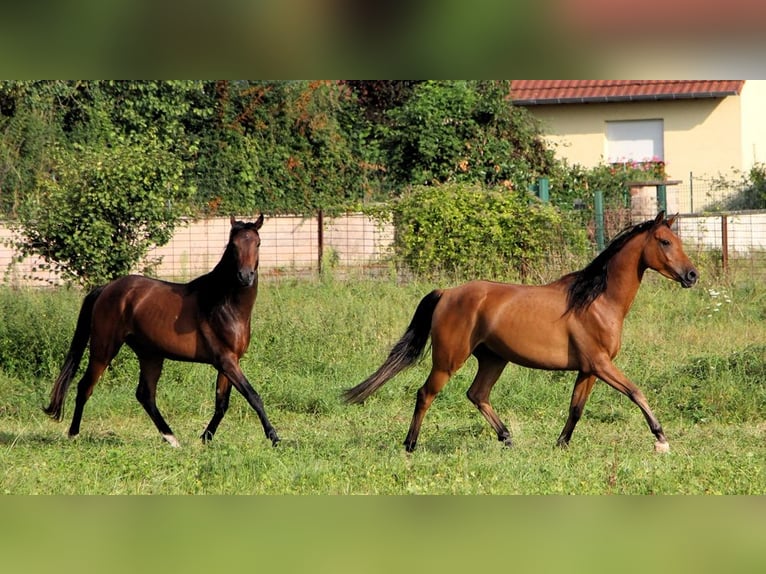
172,440
661,446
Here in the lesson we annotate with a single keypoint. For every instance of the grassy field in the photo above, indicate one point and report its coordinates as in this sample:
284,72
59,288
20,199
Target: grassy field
698,355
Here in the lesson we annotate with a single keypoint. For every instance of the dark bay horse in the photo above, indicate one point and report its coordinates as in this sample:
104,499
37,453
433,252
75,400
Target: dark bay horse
204,321
574,323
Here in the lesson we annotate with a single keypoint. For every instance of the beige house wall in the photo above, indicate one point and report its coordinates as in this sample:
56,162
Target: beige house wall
700,136
753,104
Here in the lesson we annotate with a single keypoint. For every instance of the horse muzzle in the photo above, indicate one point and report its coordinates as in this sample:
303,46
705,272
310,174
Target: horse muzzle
246,277
689,278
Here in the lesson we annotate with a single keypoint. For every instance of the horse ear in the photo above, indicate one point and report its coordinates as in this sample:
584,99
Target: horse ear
232,220
259,222
671,220
660,217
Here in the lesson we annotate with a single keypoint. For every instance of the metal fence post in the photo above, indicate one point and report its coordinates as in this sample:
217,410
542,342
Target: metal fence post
725,243
320,240
662,198
691,192
543,189
598,202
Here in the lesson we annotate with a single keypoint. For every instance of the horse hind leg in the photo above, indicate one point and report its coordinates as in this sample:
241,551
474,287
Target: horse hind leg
426,395
449,351
491,367
84,390
146,394
104,345
582,388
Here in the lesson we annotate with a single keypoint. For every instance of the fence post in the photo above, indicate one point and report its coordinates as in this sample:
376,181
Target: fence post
662,198
320,239
725,243
599,206
691,192
543,189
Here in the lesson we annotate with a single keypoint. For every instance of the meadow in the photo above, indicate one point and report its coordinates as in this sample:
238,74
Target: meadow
699,355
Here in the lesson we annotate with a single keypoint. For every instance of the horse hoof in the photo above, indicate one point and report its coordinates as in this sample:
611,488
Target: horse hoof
661,447
172,440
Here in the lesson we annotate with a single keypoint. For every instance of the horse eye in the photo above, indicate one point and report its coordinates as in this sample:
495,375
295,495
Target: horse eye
665,242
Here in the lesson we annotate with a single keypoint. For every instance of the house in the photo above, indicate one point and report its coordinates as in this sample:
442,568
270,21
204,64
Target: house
700,129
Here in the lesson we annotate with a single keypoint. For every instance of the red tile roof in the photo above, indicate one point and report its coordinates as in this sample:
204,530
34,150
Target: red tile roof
730,19
532,92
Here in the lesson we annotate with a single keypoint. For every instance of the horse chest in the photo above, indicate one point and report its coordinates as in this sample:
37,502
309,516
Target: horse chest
229,330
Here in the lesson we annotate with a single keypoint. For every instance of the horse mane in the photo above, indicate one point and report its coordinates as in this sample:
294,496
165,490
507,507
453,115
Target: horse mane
590,282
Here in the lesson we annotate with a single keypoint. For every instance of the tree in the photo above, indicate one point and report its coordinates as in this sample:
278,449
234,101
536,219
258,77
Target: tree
464,131
101,208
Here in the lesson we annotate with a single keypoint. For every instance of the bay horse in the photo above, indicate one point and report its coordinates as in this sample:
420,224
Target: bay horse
574,324
204,321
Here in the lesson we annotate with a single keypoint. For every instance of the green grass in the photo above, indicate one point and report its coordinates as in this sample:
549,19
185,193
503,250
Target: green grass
700,364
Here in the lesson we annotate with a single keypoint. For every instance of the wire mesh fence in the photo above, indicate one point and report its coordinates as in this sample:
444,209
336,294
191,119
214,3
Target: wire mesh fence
291,246
299,246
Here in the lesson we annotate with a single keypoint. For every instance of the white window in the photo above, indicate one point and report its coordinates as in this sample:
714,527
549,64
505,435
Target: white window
634,141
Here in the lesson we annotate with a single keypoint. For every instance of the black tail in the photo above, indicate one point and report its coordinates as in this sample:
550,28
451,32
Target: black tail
404,353
73,358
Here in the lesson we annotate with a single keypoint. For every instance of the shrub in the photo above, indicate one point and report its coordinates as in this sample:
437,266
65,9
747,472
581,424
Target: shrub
474,231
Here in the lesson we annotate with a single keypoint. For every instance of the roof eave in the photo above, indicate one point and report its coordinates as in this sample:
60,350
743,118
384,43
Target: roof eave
623,98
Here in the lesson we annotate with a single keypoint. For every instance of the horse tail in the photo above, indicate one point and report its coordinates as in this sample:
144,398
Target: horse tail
73,358
403,354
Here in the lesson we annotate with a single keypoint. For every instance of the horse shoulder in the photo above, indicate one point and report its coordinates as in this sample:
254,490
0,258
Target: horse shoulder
598,329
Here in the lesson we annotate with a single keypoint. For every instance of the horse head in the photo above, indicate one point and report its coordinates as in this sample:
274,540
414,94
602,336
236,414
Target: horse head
664,253
244,244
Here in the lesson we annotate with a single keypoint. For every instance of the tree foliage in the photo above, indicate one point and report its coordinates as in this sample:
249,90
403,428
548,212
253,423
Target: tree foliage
464,131
96,172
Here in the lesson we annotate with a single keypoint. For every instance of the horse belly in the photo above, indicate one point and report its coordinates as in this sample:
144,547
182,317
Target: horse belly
536,338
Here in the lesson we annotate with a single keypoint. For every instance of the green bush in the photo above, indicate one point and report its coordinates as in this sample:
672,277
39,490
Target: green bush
477,232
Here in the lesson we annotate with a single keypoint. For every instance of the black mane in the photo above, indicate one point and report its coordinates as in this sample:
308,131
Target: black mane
588,283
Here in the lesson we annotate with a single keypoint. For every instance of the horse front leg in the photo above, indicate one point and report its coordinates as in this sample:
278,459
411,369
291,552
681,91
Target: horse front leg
222,394
582,388
611,375
231,369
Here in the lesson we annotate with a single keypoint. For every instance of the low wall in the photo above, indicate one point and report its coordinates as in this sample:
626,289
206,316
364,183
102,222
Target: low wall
288,244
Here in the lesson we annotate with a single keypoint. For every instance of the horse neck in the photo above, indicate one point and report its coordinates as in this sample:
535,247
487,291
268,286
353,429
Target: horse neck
625,269
221,288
